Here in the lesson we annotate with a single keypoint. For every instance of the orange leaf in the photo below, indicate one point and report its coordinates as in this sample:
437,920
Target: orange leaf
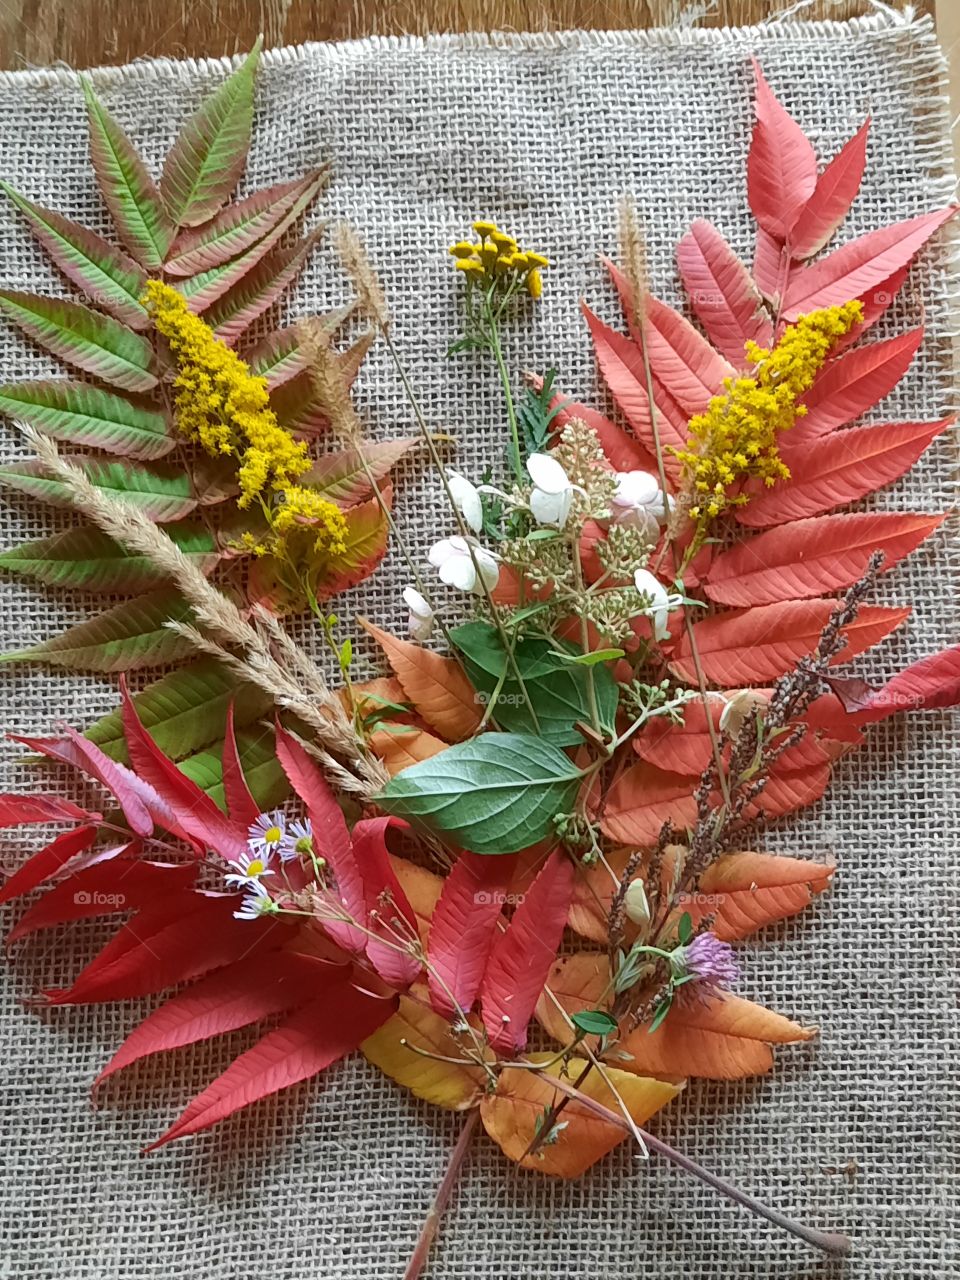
510,1115
813,557
422,889
593,892
749,646
436,686
745,891
724,1038
680,748
366,544
623,452
445,1084
839,469
399,751
642,799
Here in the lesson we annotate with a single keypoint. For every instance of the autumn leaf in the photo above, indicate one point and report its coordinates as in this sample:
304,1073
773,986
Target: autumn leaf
680,748
624,452
403,745
813,557
522,1097
781,164
725,298
742,892
45,864
832,197
723,1038
852,383
393,1048
751,646
642,799
840,469
436,686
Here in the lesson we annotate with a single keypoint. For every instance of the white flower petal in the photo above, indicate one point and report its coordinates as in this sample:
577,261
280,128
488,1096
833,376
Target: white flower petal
637,489
458,571
547,508
416,603
489,568
419,628
466,499
547,473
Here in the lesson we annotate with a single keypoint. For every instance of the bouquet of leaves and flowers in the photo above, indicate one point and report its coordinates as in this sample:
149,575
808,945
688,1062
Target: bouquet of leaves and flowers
512,871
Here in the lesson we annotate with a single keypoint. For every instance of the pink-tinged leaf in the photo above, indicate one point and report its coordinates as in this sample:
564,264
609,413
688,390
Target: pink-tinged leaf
462,930
204,289
781,164
196,814
642,799
621,364
751,646
876,300
343,478
768,265
87,339
47,862
682,362
134,796
366,544
128,190
840,468
241,806
182,938
307,1042
862,264
680,748
832,197
238,227
331,838
813,557
520,958
233,313
91,417
207,159
623,452
722,293
389,915
101,272
17,810
925,685
120,885
852,383
280,356
224,1002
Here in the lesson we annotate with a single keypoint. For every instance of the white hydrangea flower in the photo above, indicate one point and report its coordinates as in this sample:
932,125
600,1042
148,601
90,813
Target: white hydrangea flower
464,565
552,495
639,502
466,498
420,622
658,600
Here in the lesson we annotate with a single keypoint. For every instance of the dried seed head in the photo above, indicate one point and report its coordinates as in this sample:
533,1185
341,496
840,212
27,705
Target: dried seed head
741,707
633,253
353,256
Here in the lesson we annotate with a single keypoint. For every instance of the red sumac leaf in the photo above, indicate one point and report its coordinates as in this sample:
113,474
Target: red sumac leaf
16,810
48,861
721,292
832,197
781,164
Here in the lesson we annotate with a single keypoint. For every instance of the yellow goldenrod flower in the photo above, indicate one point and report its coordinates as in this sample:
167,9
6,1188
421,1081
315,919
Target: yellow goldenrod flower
220,403
736,437
306,523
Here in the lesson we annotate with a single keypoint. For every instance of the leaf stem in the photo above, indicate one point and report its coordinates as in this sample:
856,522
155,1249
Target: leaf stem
431,1224
497,350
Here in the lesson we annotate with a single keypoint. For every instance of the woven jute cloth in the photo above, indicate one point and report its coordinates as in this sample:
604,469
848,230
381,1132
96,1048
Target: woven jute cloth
857,1131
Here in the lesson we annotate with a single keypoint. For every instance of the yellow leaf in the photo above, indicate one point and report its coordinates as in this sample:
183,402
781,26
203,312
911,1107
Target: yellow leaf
510,1115
442,1083
422,888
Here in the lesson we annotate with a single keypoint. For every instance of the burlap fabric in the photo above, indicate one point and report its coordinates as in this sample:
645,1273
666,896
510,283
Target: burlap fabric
858,1131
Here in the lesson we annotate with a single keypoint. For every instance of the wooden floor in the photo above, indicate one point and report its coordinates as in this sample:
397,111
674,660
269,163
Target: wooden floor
89,33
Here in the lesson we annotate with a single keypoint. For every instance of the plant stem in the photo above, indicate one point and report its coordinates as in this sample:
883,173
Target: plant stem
831,1242
497,350
431,1225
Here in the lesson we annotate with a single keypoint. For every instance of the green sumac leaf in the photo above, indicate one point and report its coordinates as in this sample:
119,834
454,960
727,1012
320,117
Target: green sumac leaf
93,342
127,637
128,190
163,492
497,793
267,782
558,689
186,710
280,356
107,277
342,477
208,157
81,414
86,559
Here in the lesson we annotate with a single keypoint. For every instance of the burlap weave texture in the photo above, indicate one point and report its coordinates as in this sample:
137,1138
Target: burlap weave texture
859,1131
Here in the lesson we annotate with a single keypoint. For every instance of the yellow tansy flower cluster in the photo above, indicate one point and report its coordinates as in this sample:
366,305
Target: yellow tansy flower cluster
496,258
226,409
736,437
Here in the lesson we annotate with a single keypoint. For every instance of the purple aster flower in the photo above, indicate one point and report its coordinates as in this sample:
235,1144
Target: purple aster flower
710,960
